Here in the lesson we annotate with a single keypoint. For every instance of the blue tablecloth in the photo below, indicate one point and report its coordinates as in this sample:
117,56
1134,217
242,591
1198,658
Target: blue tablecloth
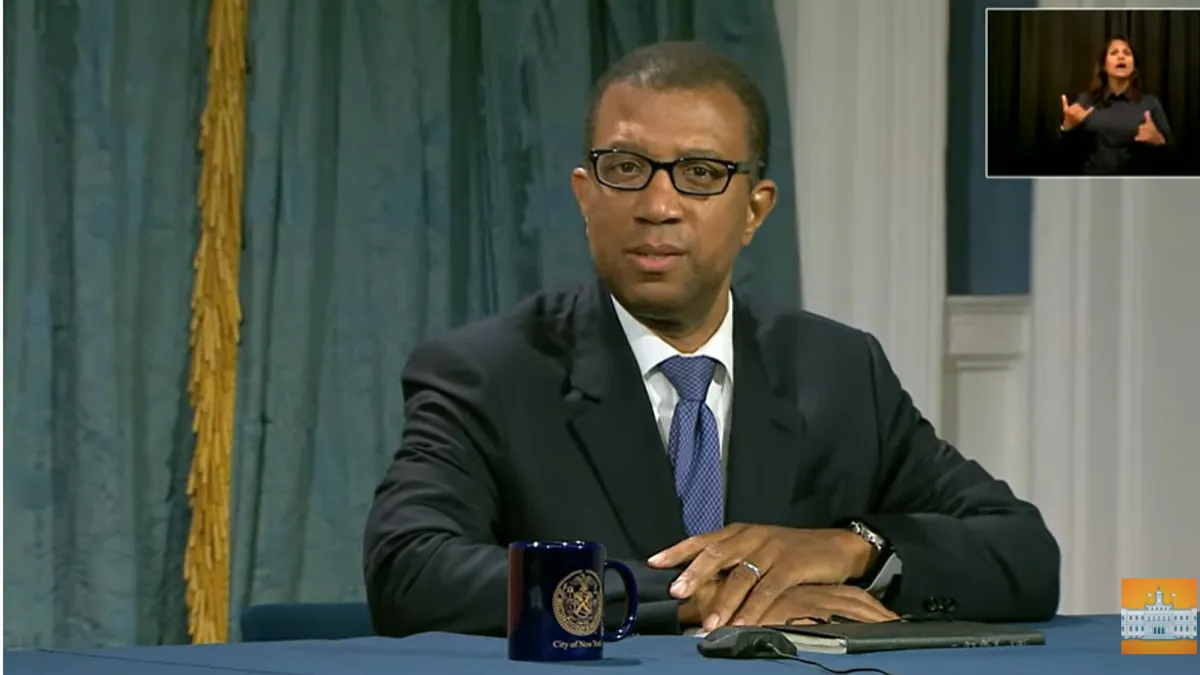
1074,645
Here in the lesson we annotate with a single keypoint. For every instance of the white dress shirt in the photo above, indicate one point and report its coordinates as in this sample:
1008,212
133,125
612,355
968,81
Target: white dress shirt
651,350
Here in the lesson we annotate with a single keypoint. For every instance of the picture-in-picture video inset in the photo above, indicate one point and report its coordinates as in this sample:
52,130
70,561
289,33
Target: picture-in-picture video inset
1093,93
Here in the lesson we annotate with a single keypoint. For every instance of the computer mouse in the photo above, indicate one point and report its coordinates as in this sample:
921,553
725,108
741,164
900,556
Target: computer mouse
745,642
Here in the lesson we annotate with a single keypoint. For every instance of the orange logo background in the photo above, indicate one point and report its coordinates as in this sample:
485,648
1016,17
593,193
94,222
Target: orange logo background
1136,593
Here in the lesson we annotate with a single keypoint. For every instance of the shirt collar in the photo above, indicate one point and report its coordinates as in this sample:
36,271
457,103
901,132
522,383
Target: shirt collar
651,350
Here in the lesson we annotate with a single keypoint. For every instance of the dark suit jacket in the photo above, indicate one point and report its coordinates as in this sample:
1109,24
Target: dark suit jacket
535,424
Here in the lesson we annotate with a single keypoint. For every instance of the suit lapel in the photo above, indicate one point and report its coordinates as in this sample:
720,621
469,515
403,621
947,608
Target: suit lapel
611,418
768,443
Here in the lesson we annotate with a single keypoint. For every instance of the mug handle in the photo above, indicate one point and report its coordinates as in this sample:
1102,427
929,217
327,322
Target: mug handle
631,601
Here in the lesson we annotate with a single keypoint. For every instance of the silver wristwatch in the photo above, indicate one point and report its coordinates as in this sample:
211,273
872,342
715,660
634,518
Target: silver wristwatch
870,536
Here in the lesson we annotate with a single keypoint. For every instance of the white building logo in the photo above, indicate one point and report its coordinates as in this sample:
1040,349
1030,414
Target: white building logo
1158,620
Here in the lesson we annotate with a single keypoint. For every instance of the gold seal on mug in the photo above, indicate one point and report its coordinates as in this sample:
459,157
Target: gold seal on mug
579,603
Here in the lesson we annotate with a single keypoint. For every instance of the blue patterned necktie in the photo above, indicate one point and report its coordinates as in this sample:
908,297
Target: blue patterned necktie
695,444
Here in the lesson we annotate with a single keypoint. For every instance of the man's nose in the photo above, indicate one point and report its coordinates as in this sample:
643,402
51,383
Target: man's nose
660,202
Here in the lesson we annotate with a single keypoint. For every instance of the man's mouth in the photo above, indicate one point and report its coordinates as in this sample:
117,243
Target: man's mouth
655,257
656,250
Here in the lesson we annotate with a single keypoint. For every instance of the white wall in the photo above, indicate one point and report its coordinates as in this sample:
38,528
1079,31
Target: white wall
1116,376
870,171
1084,397
1115,397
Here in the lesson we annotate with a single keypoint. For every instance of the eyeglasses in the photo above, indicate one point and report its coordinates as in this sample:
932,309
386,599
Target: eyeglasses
700,176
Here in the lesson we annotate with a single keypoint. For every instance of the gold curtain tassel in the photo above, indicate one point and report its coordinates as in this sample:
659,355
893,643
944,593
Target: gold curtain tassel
214,326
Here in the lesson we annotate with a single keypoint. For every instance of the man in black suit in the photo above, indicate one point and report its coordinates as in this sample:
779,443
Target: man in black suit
750,465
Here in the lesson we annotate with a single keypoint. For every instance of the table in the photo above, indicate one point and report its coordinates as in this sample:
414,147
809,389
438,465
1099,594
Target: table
1074,645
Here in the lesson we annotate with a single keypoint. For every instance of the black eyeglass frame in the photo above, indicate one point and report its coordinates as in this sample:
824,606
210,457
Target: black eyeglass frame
733,169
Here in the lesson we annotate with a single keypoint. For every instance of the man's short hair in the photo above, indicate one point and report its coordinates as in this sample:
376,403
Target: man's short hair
664,66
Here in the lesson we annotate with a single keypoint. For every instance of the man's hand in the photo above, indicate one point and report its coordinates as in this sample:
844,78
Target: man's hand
693,610
800,604
784,557
1147,131
1073,114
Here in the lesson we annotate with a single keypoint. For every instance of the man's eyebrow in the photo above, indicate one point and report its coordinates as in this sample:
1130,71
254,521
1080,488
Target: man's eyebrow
629,146
632,146
700,152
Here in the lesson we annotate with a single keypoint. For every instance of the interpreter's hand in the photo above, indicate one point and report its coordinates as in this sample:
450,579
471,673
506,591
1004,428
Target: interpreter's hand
818,602
1073,114
1147,132
762,562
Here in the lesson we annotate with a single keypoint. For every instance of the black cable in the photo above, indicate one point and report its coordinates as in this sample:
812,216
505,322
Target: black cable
792,657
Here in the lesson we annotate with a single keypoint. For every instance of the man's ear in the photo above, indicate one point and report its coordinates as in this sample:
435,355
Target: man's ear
762,200
581,187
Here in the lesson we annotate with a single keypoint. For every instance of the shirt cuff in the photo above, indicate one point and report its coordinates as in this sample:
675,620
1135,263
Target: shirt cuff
887,575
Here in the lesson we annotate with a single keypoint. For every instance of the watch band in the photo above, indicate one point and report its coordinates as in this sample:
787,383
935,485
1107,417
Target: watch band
870,536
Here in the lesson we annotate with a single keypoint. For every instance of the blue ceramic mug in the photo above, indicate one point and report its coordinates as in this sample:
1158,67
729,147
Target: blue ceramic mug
556,601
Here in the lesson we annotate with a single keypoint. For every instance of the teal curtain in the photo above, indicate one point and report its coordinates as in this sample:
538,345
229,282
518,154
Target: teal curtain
101,102
408,171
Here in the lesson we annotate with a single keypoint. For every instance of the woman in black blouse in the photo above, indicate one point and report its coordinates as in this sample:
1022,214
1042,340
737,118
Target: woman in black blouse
1120,129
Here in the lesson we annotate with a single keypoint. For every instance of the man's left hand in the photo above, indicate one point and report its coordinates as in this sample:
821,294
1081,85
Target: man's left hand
784,558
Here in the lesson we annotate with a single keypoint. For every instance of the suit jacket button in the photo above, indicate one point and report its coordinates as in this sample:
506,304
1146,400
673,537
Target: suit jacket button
940,605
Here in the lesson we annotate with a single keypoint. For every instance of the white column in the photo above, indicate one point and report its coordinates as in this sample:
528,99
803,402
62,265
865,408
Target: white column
986,387
868,104
1113,401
